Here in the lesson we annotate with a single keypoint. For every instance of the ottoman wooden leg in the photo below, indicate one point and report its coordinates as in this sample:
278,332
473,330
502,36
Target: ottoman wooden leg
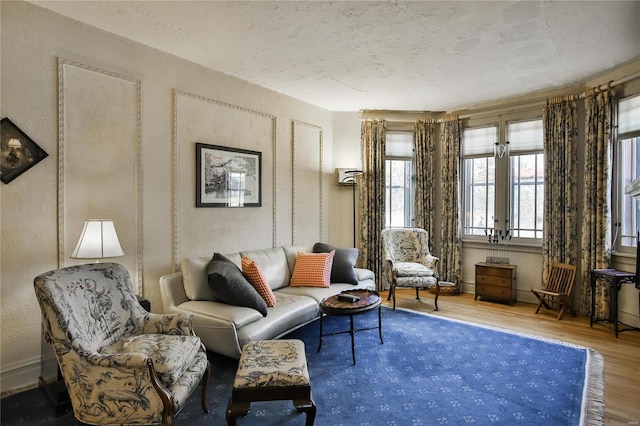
235,410
307,406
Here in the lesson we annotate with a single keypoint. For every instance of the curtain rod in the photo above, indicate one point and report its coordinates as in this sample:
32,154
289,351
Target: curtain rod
612,83
491,112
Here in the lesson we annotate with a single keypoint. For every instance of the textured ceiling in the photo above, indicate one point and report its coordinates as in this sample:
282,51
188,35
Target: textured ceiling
398,55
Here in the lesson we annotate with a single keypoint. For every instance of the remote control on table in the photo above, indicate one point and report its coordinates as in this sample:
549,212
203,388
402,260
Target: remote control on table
348,297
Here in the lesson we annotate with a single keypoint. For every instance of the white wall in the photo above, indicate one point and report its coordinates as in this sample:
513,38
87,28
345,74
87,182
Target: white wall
32,41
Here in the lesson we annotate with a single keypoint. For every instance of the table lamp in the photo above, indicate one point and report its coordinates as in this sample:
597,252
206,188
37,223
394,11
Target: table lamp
98,240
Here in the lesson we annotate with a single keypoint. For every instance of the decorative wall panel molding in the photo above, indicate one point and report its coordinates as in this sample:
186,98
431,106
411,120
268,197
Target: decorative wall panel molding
307,184
201,232
99,159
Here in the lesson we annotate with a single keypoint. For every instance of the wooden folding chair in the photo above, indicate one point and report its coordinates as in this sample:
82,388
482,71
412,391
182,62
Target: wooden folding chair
557,293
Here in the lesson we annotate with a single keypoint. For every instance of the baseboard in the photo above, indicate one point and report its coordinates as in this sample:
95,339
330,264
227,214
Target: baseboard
20,376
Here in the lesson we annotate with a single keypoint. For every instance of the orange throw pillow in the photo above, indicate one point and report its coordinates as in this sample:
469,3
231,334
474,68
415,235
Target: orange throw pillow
254,275
312,270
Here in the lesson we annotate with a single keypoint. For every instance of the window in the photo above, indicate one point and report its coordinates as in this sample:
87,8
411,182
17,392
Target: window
503,180
526,178
480,179
627,161
398,176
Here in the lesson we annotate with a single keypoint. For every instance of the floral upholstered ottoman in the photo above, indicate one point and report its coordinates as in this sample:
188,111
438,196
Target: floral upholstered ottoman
271,370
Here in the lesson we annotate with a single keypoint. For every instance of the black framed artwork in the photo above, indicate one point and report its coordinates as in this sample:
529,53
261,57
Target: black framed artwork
228,177
18,152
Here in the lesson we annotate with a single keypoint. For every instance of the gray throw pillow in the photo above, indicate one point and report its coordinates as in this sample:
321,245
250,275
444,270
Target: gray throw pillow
230,286
344,262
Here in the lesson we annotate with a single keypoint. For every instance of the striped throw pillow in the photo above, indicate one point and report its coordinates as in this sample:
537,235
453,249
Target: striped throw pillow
312,270
254,275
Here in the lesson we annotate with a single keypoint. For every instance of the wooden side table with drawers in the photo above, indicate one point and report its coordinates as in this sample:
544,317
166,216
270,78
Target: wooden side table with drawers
496,282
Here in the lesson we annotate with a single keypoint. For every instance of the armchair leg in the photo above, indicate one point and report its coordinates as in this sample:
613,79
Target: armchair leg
417,293
437,294
205,383
392,293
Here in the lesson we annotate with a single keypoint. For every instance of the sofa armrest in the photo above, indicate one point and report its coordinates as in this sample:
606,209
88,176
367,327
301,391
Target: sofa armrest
172,291
364,274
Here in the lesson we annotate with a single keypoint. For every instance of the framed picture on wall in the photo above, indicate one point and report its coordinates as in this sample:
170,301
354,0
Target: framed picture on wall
228,177
18,152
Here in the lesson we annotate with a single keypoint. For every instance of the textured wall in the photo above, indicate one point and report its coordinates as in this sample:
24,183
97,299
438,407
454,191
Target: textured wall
29,96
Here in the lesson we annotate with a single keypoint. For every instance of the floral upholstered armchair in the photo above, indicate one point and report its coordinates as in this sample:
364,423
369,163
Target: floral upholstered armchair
408,262
120,363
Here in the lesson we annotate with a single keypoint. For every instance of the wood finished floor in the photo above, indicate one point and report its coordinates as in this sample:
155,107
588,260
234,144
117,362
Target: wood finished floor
621,355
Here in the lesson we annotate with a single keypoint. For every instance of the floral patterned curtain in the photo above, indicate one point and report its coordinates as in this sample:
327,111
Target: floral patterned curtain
559,242
596,220
451,242
423,210
371,192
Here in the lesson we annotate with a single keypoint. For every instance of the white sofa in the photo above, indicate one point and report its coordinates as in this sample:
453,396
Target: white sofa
225,328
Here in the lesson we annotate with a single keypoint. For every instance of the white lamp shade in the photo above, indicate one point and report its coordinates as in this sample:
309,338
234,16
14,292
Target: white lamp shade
98,241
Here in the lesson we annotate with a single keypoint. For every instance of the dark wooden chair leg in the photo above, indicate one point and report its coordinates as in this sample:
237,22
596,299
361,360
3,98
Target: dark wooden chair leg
393,288
437,294
417,293
205,383
539,306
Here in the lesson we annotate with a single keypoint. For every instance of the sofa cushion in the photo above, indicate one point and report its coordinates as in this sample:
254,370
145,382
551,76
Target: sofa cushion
229,285
312,270
290,313
206,312
319,293
344,262
194,276
291,253
256,278
171,355
273,263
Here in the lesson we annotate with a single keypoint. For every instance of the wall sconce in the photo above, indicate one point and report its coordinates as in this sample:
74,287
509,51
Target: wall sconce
98,240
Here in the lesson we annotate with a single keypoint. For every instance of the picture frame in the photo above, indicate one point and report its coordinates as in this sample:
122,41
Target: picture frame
228,177
18,152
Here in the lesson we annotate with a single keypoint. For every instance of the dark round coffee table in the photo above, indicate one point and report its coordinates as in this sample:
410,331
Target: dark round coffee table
369,300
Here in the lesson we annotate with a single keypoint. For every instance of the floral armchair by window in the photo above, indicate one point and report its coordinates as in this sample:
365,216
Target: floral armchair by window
120,363
408,262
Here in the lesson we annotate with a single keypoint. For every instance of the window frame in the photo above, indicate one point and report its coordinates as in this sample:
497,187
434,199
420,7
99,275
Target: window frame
503,185
617,180
466,188
410,188
510,203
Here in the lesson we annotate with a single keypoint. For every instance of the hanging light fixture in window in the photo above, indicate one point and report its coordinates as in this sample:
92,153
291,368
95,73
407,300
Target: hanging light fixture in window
501,147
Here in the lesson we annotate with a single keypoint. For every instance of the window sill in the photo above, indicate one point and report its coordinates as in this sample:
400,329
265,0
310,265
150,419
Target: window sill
513,246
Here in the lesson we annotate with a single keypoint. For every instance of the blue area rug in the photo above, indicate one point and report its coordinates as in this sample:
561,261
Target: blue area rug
429,371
